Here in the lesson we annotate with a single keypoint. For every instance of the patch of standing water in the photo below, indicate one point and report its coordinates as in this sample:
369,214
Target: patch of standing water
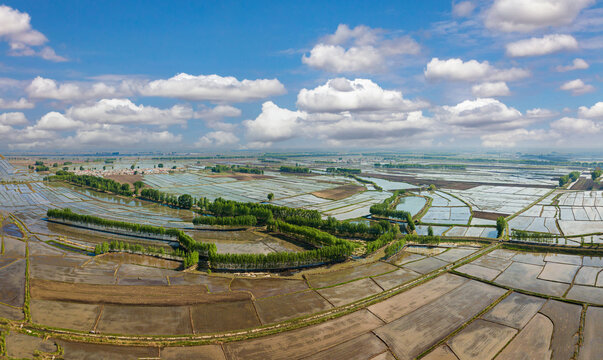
412,204
389,185
12,230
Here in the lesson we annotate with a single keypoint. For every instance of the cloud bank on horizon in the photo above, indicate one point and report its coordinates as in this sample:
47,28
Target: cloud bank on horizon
500,74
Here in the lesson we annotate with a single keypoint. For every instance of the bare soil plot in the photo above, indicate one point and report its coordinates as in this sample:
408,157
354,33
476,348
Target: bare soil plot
129,179
13,248
64,315
24,346
11,313
384,356
204,352
529,258
416,332
340,192
395,278
564,259
488,215
214,284
587,275
226,316
145,320
269,286
588,294
410,300
525,277
515,310
280,308
442,352
83,351
361,348
143,260
481,340
453,255
404,257
426,265
566,322
479,271
532,343
592,346
348,293
558,272
305,341
133,271
12,283
140,281
340,276
40,248
126,294
492,262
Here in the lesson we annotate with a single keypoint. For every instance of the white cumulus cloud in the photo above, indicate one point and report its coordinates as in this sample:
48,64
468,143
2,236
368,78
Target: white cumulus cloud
463,8
490,89
547,44
594,112
273,124
55,121
23,40
530,15
577,87
481,112
341,94
124,111
22,103
571,126
458,70
577,64
359,49
13,118
212,88
217,139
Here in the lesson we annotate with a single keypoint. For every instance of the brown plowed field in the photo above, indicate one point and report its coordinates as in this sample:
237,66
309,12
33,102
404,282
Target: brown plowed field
340,192
130,294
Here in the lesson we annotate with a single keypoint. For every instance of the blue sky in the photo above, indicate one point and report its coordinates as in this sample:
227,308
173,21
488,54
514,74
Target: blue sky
273,75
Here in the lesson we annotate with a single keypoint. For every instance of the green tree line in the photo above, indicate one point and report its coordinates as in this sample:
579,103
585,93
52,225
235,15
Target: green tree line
294,169
94,182
245,220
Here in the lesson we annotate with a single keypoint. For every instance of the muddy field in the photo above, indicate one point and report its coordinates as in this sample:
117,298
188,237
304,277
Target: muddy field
339,192
129,294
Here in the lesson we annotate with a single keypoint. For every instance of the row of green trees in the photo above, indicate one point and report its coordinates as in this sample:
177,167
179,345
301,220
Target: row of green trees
343,171
571,177
395,247
263,212
365,181
189,258
534,236
501,225
244,220
218,168
184,201
188,243
308,234
381,241
595,174
384,208
343,228
280,260
294,169
94,182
